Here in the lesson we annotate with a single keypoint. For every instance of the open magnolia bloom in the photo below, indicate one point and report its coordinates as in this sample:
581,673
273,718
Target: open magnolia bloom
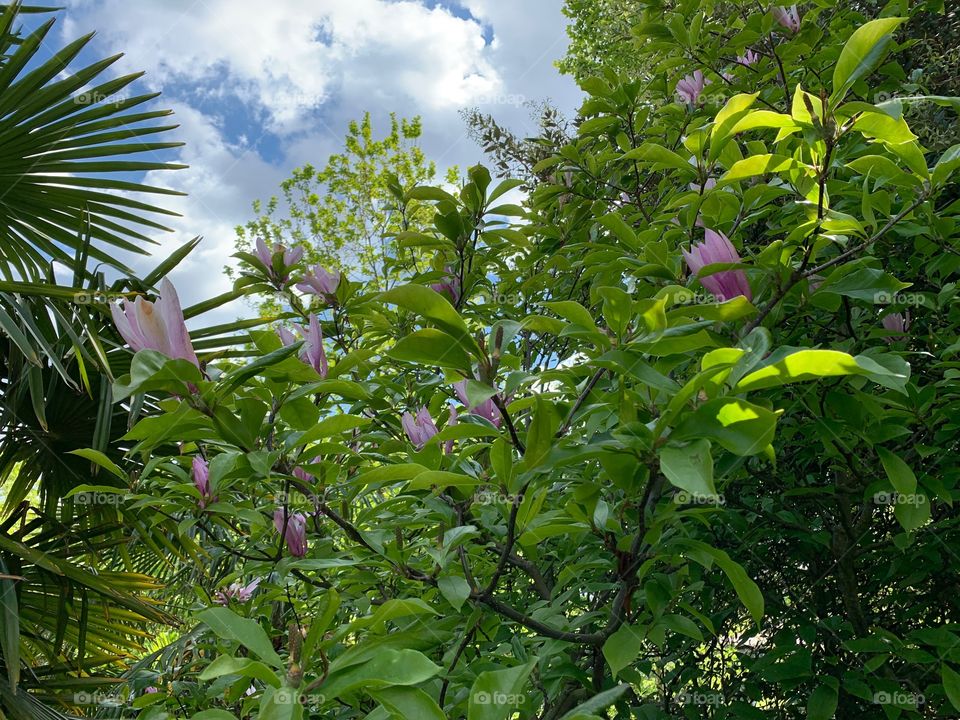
157,325
717,248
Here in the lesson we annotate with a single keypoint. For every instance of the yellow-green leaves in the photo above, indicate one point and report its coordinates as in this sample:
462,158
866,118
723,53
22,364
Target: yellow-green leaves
741,427
862,52
434,307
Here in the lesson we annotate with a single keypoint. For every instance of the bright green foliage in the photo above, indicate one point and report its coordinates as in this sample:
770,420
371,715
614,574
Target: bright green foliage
349,213
653,502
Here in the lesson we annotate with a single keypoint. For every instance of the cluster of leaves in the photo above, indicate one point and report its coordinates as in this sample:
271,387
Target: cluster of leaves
576,484
348,213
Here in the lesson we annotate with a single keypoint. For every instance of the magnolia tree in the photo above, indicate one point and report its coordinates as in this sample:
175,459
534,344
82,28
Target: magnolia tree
673,439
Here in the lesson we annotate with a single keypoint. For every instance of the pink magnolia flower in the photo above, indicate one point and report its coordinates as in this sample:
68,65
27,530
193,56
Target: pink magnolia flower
717,248
708,184
295,533
487,409
302,475
318,281
419,428
313,353
691,87
896,323
788,17
201,480
286,337
236,591
266,254
450,285
157,325
748,58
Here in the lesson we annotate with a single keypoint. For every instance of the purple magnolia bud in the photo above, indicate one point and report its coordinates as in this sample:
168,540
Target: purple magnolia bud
313,352
748,58
157,325
717,248
419,428
295,534
450,286
302,475
788,17
201,480
236,591
150,690
265,254
708,184
318,281
487,409
286,337
691,87
246,592
896,323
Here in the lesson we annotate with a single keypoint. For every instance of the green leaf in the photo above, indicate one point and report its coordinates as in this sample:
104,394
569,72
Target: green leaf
441,479
822,703
600,701
758,165
497,694
455,589
899,473
951,684
213,715
9,628
948,163
798,367
387,668
433,306
862,52
622,648
869,284
747,590
739,426
660,157
408,702
431,347
98,458
912,511
245,667
230,626
689,468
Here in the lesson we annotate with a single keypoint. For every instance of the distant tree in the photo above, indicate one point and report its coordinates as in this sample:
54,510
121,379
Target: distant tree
515,156
347,214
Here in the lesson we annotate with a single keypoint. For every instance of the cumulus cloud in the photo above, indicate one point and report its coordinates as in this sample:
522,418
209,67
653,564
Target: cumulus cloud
260,88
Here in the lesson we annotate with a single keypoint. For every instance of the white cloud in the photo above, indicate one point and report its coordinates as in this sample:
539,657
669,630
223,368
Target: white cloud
303,70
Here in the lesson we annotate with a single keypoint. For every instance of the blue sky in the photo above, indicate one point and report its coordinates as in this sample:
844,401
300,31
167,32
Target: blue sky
260,88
